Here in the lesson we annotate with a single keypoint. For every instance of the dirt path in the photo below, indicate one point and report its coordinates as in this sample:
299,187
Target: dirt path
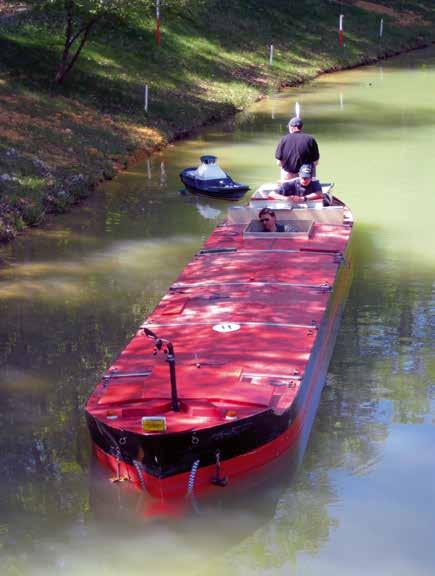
401,17
8,10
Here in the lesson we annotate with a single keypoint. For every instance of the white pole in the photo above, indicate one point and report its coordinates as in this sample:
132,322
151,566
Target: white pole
271,55
146,98
149,169
381,28
341,101
298,110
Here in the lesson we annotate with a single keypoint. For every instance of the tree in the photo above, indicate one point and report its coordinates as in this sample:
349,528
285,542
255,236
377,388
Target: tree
81,16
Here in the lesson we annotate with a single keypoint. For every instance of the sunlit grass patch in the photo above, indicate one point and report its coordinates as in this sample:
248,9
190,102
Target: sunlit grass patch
235,93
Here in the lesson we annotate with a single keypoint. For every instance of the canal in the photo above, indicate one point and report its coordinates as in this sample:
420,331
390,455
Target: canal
73,292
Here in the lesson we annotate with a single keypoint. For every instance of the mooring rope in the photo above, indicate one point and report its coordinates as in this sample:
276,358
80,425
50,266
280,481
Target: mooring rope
192,476
138,466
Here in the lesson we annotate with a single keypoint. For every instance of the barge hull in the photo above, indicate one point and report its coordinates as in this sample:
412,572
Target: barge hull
273,388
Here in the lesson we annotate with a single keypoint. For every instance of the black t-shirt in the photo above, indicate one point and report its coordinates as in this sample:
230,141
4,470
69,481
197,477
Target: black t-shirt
296,149
295,188
279,228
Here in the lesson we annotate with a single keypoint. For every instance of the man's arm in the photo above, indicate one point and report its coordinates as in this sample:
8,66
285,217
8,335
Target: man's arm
289,199
287,192
315,152
314,191
278,152
277,196
283,192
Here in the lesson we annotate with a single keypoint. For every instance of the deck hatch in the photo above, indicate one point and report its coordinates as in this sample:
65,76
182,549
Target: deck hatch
276,380
172,308
292,229
114,374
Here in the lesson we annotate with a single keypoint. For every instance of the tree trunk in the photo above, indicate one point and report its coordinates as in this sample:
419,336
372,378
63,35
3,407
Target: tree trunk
69,56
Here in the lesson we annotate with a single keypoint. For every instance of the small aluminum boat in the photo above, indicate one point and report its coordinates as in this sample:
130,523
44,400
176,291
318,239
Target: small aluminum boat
260,198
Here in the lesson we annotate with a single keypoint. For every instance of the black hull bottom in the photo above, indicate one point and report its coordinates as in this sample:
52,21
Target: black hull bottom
221,194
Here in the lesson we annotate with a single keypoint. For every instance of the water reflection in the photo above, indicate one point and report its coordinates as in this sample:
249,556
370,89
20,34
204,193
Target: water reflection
341,101
208,211
372,384
208,208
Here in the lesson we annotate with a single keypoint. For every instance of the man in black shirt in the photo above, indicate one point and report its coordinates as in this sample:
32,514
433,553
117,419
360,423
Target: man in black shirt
299,189
296,149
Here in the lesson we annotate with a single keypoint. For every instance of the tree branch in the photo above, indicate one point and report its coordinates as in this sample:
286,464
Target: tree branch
66,66
68,32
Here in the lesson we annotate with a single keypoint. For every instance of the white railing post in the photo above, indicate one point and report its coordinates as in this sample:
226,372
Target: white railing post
297,110
146,98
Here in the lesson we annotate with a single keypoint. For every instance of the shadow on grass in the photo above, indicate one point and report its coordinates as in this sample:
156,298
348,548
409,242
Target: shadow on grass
192,55
120,96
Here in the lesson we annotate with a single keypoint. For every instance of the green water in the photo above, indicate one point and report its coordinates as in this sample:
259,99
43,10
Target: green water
72,293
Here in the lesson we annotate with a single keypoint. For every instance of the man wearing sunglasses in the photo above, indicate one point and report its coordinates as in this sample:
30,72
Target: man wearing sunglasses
268,220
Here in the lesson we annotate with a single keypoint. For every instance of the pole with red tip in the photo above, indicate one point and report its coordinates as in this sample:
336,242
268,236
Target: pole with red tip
340,30
158,22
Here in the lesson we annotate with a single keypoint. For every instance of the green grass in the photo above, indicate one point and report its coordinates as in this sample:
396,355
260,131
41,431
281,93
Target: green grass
213,61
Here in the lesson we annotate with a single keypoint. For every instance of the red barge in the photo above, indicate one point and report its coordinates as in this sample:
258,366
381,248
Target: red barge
224,375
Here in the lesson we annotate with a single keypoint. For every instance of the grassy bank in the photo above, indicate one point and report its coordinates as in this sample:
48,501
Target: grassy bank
58,143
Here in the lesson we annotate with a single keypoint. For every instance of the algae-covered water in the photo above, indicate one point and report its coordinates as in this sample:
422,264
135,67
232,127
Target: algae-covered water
72,293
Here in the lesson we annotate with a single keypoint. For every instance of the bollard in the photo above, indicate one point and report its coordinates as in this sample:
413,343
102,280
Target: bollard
271,55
